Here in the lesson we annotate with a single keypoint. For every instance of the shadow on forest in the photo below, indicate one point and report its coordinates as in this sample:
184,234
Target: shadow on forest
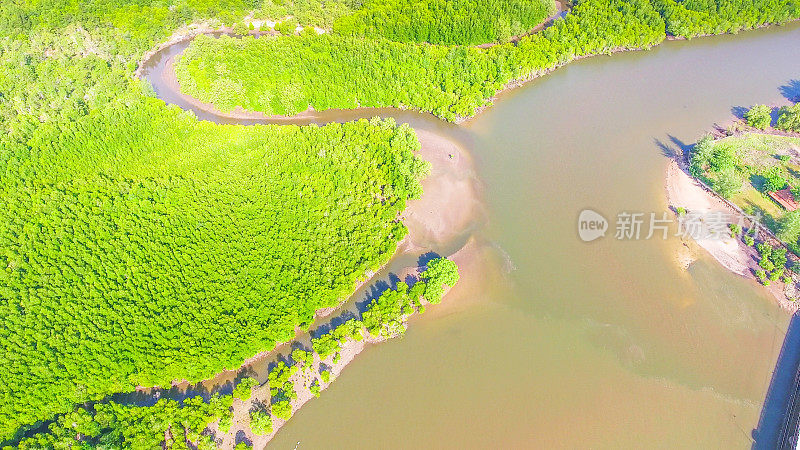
354,311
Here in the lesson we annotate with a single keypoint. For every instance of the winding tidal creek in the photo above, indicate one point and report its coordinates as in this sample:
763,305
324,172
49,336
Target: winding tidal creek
549,341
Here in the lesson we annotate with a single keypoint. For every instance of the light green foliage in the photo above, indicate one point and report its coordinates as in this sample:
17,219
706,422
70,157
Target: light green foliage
260,422
449,82
331,343
325,375
287,27
749,241
746,167
279,383
759,116
140,246
440,272
240,28
300,356
315,388
226,422
112,425
318,71
459,22
762,277
690,18
789,118
321,13
244,388
243,446
385,315
282,409
789,229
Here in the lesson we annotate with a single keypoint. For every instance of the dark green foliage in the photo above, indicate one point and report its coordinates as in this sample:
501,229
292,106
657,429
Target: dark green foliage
773,179
244,388
759,116
716,165
789,118
459,22
778,257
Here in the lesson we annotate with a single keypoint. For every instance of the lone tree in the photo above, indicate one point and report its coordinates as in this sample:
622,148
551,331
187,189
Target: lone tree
759,116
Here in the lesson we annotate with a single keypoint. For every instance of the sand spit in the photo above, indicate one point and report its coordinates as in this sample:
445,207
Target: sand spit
685,191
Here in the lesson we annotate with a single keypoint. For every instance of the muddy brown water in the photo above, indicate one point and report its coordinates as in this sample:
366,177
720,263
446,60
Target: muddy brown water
552,342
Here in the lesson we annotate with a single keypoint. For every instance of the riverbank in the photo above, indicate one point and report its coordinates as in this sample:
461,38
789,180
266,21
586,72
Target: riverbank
441,221
684,191
170,80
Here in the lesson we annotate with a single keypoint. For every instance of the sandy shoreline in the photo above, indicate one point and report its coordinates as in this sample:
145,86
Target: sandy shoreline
733,254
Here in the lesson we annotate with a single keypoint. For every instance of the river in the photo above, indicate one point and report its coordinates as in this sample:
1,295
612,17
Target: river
552,342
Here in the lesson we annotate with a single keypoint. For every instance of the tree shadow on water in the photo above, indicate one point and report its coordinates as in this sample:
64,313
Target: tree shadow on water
425,258
791,90
674,148
739,111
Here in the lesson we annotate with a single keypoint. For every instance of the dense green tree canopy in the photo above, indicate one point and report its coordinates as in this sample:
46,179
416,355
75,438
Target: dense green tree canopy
465,22
139,246
318,71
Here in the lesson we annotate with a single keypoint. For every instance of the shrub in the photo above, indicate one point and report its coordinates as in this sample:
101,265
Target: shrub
759,116
260,422
325,375
244,389
287,27
773,179
789,118
282,409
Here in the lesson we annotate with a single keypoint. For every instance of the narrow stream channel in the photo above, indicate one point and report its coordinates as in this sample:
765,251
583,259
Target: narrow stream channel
552,342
